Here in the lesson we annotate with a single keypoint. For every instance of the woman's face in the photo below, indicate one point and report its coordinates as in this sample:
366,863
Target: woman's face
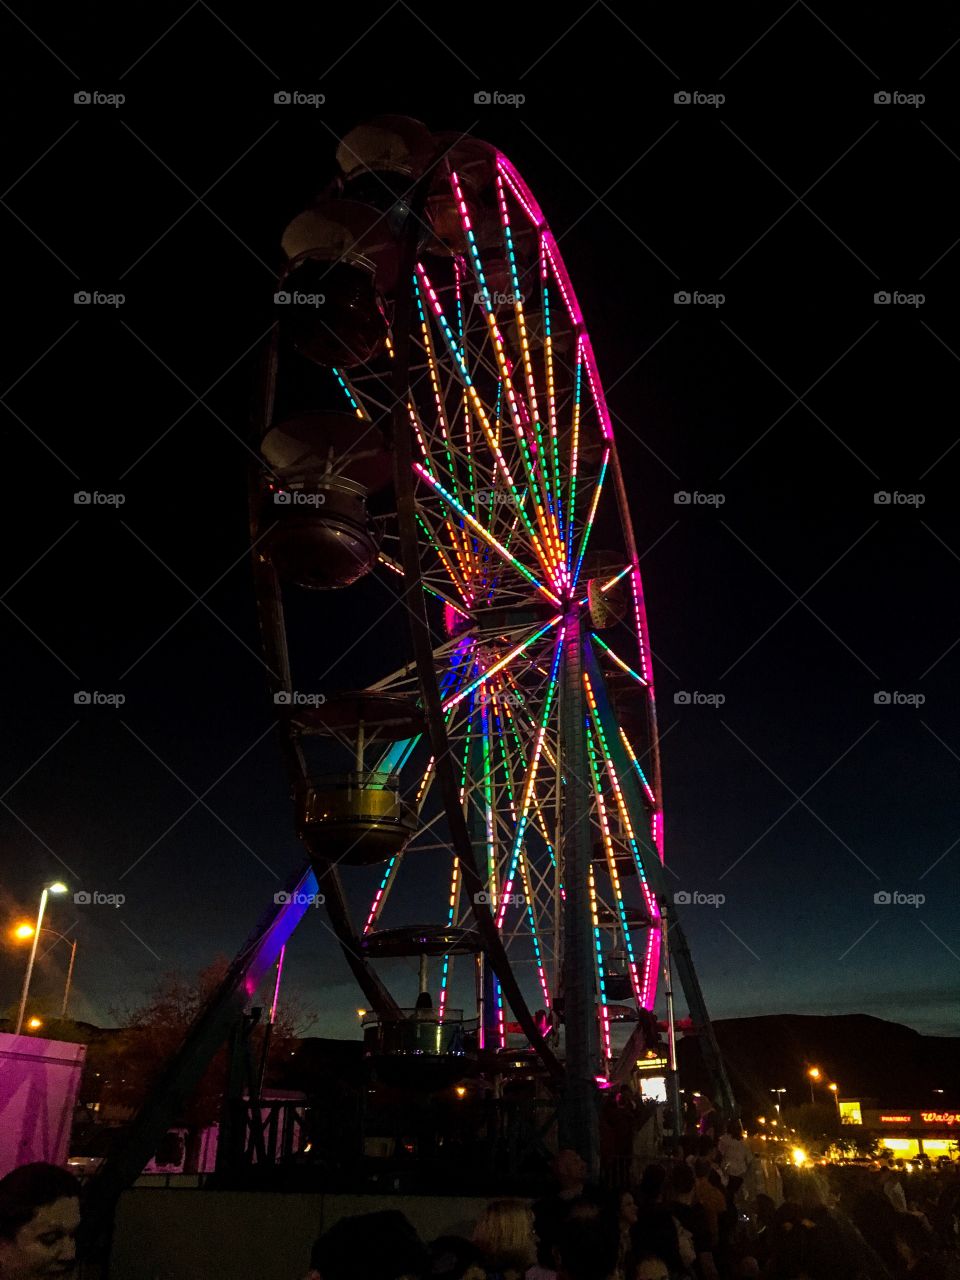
628,1209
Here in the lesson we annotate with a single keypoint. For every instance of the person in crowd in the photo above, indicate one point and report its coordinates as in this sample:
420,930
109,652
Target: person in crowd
735,1158
746,1268
651,1267
587,1248
369,1246
711,1198
39,1220
552,1211
626,1221
692,1225
454,1258
892,1188
655,1231
916,1249
709,1118
423,1010
504,1234
617,1118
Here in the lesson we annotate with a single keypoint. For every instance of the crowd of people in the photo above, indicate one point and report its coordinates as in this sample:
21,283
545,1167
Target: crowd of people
697,1214
694,1215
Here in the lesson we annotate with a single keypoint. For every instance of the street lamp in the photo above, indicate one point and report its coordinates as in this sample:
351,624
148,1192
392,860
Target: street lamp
34,1024
814,1074
56,887
835,1090
779,1096
26,930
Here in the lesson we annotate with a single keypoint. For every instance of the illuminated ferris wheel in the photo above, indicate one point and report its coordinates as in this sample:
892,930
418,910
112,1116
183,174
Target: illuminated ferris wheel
463,448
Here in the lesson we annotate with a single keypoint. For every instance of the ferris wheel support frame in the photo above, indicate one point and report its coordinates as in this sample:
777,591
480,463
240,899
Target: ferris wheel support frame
579,1119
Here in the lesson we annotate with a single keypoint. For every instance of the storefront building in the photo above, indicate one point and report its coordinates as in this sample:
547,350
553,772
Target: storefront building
906,1133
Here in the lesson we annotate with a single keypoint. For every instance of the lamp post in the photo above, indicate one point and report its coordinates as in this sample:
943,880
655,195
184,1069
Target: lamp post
57,887
813,1073
835,1090
23,931
778,1094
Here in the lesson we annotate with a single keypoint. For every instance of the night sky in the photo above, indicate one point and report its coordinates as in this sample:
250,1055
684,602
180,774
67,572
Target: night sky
798,599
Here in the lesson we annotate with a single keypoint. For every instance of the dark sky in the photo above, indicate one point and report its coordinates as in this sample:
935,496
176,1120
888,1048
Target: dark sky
798,399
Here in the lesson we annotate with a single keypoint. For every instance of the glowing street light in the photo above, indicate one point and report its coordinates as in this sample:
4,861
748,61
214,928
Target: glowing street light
25,930
56,887
34,1024
814,1074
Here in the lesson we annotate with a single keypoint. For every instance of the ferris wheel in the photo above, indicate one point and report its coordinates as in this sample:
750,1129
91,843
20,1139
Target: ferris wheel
444,427
432,420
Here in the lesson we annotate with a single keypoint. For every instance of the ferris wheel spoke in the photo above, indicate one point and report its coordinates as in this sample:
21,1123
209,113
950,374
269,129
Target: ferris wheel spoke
459,580
501,663
532,769
648,790
588,527
487,537
543,555
649,978
521,414
618,899
358,408
619,661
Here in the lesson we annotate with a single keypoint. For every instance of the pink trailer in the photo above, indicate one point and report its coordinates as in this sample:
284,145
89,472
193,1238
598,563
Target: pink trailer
39,1080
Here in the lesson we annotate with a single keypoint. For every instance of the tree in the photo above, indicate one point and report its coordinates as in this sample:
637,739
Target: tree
813,1123
150,1034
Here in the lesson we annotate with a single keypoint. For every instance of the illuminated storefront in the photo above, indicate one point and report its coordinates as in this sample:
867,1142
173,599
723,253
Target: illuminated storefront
907,1133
